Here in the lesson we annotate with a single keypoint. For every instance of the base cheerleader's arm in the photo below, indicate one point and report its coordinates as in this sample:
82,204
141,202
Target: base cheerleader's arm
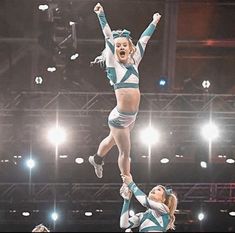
145,201
125,221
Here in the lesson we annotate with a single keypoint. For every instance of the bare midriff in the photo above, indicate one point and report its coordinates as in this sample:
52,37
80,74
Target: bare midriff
128,99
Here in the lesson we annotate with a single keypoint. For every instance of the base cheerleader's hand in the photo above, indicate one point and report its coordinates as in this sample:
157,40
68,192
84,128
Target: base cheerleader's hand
125,192
127,179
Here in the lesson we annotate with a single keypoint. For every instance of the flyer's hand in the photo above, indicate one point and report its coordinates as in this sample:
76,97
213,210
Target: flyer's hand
98,8
156,17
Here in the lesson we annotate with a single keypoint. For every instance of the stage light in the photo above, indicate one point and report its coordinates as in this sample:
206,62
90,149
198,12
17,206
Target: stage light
63,156
180,151
51,69
99,211
210,131
164,160
162,82
5,161
74,56
57,135
203,164
75,211
230,160
43,7
54,216
71,23
79,160
179,156
26,214
88,214
36,211
150,136
30,163
206,84
12,211
201,216
232,213
38,80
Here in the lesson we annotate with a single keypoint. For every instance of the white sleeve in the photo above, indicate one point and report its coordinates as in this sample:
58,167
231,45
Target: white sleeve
125,221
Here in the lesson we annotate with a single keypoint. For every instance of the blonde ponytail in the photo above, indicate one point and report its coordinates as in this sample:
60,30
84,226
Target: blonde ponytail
171,202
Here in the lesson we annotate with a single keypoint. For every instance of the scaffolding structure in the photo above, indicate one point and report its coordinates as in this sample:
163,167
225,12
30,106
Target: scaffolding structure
109,192
180,113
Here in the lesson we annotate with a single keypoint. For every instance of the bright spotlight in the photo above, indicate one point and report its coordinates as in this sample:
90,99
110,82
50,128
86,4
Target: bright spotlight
99,211
74,56
54,216
71,23
203,164
43,7
51,69
200,216
57,135
88,214
79,160
232,213
230,161
206,84
162,82
26,214
30,163
38,80
210,131
165,160
150,136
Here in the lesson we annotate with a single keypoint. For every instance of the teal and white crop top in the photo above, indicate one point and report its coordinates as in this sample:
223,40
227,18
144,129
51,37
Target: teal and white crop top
120,75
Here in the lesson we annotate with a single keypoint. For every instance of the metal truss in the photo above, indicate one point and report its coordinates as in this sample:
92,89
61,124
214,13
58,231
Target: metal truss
103,199
109,192
178,111
82,103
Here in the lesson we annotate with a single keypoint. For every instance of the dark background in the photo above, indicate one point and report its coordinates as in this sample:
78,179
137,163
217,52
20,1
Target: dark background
194,41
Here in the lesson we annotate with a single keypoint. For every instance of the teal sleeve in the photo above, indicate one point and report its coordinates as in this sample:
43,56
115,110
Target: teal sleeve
140,196
105,26
148,31
142,42
102,20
